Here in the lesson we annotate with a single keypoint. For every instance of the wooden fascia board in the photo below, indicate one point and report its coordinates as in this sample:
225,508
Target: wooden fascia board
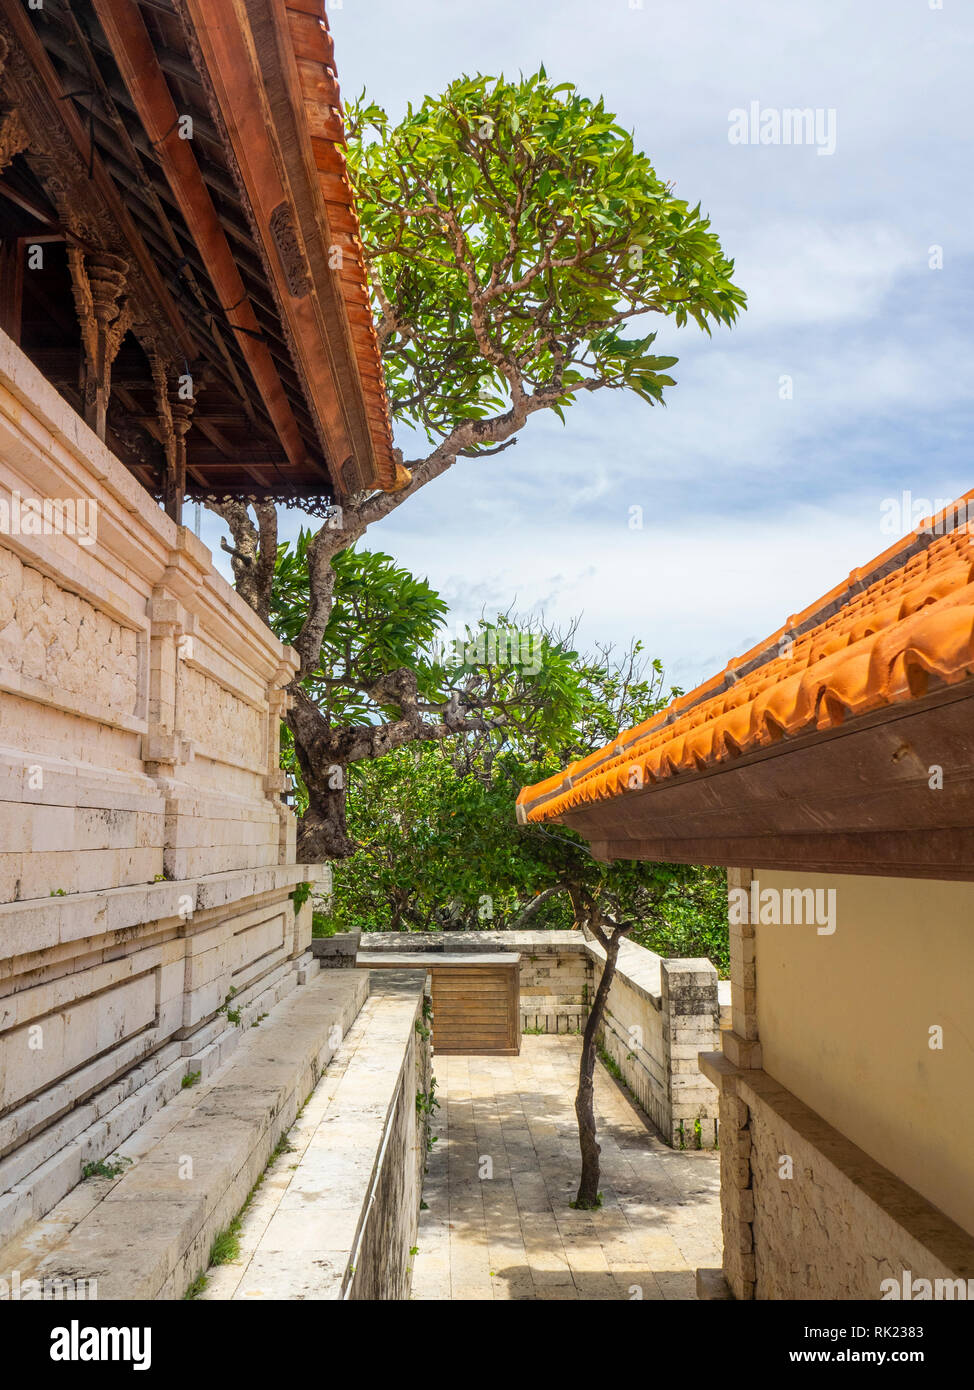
935,854
307,181
132,48
14,12
238,79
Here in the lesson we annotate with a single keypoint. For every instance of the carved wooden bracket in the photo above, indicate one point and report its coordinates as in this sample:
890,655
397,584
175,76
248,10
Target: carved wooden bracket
176,395
99,280
13,137
13,132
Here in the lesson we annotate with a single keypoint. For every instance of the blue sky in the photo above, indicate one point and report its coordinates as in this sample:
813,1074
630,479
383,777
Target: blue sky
752,505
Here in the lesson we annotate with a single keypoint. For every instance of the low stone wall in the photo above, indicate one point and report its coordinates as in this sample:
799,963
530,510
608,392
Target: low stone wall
337,1218
146,859
807,1214
147,1232
555,972
381,1264
660,1015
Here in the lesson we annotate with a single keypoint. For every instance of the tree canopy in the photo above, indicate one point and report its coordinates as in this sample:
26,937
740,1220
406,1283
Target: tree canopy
514,232
516,241
435,843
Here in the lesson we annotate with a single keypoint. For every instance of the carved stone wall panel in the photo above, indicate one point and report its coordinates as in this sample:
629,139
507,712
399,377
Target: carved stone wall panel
50,635
141,878
212,718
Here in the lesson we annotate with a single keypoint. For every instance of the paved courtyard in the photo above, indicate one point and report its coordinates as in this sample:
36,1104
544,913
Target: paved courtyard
505,1167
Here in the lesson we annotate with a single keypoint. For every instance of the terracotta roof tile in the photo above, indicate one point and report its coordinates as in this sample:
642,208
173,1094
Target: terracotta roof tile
901,625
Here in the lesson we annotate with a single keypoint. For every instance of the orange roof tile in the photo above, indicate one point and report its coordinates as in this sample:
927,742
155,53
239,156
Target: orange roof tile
898,626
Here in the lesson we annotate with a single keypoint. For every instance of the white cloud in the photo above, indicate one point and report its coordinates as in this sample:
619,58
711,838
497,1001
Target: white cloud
809,272
697,594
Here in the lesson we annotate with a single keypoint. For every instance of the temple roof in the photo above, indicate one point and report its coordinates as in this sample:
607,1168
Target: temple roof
896,637
201,143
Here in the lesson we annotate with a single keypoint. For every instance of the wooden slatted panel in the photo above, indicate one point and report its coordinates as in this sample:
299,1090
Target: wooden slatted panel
475,1010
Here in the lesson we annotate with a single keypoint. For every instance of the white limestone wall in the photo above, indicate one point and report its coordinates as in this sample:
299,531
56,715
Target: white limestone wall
146,859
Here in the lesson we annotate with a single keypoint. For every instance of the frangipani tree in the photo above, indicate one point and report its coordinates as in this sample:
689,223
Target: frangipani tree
388,674
438,846
520,248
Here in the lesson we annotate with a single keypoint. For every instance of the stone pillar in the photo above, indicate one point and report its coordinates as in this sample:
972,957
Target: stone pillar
279,702
691,1022
741,1043
736,1192
162,746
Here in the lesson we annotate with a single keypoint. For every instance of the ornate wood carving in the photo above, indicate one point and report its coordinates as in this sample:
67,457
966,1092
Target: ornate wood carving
13,137
289,250
99,280
175,403
13,133
64,175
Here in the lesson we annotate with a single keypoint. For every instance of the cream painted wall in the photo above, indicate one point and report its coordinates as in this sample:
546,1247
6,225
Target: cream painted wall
844,1023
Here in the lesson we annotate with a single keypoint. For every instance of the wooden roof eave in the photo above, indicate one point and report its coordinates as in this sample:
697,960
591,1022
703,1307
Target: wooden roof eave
250,65
135,57
17,17
855,799
308,81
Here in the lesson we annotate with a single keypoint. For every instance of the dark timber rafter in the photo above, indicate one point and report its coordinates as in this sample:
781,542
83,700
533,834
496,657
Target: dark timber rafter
17,17
271,149
148,193
220,257
135,56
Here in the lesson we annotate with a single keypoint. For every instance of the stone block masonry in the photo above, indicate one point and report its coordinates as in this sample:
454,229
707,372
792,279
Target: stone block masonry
660,1014
337,1218
809,1215
830,1183
146,857
146,1233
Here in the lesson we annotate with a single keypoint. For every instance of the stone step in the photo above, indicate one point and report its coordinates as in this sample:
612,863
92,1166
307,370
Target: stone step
147,1233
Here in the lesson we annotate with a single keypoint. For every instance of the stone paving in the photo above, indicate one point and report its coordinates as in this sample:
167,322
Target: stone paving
514,1235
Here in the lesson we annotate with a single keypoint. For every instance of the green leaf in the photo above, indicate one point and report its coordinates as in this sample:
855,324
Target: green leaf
573,171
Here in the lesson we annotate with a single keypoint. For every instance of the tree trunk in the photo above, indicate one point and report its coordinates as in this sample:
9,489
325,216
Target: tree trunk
588,1197
321,830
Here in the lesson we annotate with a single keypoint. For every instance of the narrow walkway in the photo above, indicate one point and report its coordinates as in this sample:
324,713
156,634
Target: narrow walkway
296,1237
505,1167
